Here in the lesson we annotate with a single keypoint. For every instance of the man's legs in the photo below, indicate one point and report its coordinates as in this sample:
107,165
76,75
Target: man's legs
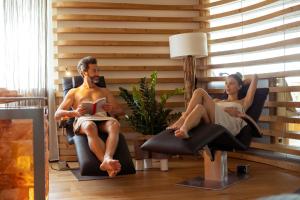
112,127
97,146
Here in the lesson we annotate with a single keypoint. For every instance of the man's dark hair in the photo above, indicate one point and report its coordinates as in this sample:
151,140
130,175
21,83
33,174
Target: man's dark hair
83,64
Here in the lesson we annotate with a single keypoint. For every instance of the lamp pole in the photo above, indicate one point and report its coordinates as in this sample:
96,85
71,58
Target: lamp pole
189,78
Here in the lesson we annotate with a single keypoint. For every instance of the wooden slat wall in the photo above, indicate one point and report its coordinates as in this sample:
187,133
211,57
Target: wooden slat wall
279,105
129,39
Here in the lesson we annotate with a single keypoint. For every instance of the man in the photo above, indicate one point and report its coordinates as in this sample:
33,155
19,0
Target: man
89,125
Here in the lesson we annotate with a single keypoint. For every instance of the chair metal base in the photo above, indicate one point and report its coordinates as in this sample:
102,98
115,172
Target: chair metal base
200,182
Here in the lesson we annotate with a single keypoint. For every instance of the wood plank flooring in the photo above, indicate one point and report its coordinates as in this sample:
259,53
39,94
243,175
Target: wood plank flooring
264,180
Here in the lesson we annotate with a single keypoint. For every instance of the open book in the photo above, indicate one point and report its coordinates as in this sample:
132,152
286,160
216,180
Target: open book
94,107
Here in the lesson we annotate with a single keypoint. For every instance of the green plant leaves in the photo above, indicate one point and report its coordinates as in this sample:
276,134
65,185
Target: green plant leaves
148,115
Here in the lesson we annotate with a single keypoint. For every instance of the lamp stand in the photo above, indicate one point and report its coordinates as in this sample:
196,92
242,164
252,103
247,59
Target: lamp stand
189,78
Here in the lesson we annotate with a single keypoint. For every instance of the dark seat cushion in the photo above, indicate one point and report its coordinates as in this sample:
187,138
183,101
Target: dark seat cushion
89,164
216,136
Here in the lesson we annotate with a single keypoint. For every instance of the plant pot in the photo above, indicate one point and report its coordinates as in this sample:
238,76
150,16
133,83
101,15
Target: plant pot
143,159
139,154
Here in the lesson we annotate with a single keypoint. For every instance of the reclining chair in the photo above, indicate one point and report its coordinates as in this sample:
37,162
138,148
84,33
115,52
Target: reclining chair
88,162
218,140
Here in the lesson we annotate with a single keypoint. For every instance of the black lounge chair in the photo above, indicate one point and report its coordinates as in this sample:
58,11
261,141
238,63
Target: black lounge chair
215,140
88,162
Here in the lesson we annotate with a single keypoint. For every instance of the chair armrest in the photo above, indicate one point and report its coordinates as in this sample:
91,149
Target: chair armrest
66,122
253,125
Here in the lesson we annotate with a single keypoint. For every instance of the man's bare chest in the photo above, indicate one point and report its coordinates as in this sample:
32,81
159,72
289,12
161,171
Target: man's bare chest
88,95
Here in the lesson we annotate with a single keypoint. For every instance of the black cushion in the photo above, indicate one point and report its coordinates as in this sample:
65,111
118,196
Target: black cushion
88,162
204,134
256,108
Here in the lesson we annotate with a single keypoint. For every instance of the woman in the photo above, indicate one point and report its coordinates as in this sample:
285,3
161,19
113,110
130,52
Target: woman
224,112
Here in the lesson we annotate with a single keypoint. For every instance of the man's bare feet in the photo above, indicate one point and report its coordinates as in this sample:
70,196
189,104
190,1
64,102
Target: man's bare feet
182,133
177,124
113,167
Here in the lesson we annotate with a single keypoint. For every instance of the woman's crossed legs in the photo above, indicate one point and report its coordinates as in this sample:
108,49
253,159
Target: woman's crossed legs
200,107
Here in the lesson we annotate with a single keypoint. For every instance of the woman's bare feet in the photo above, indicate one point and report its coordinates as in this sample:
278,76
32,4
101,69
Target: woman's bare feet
177,124
182,133
113,167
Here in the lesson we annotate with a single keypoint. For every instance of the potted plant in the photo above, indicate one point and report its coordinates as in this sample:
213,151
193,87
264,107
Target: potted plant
149,116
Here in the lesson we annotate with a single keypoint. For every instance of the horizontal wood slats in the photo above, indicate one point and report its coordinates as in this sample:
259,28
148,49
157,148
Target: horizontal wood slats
271,90
126,68
283,133
278,59
117,93
238,11
121,6
109,43
284,27
254,20
282,74
277,148
278,162
282,104
169,104
282,119
78,17
111,55
94,30
133,80
216,3
116,18
280,44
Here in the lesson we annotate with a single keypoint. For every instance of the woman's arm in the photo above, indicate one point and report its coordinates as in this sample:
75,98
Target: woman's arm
247,102
232,111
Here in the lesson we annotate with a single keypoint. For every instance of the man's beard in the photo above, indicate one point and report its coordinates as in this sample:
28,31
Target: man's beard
94,79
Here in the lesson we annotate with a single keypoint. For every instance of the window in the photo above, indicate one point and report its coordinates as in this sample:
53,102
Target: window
258,39
23,46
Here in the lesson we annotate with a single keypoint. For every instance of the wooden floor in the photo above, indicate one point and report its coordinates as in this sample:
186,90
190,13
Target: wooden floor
264,180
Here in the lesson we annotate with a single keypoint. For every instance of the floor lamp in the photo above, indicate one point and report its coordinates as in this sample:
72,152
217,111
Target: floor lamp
188,46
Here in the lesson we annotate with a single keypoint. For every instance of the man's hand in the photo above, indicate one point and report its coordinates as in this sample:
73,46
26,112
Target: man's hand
79,111
232,111
107,107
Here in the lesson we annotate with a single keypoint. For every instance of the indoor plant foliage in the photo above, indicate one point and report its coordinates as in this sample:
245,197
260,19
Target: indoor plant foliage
148,116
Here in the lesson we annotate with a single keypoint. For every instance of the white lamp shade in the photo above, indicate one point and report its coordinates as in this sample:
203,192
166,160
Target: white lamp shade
188,44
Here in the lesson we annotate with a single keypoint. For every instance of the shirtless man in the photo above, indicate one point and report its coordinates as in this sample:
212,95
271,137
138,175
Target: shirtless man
88,91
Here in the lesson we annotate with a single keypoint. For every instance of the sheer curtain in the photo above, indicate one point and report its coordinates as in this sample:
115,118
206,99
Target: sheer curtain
24,65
